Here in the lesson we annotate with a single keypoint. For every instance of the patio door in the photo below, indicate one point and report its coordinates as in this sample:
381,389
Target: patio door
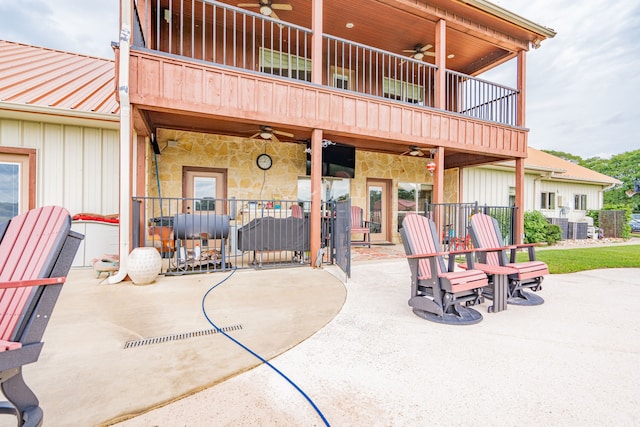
204,190
378,209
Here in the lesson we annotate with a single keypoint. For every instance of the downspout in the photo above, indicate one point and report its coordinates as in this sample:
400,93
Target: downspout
125,140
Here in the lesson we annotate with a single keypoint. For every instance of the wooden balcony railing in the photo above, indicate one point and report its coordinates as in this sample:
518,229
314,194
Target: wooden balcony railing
228,36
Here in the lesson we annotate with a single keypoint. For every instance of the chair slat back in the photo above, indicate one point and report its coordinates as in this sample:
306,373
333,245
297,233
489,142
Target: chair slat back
356,216
486,234
27,251
422,238
296,211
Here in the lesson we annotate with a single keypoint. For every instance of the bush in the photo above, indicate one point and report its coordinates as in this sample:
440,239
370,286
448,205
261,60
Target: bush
537,229
535,225
553,233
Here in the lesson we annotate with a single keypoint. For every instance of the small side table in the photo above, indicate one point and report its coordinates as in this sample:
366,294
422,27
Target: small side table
500,287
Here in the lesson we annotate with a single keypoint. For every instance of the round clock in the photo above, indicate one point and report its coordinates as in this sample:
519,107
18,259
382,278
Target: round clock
264,161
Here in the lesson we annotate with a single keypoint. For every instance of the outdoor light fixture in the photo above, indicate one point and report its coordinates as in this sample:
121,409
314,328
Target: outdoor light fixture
431,165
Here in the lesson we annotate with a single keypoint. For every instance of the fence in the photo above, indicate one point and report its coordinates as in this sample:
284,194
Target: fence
454,220
204,235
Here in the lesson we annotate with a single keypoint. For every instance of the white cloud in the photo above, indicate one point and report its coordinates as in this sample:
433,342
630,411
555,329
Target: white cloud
582,85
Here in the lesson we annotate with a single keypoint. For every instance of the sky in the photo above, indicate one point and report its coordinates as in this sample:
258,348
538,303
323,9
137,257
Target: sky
582,85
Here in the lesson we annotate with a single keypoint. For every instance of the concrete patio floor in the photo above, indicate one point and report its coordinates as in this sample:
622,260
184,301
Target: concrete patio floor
356,350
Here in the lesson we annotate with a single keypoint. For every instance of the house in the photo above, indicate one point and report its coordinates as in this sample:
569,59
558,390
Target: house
245,96
299,101
59,138
554,186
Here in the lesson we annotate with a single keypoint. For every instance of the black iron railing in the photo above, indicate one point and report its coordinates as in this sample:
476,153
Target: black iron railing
204,235
454,220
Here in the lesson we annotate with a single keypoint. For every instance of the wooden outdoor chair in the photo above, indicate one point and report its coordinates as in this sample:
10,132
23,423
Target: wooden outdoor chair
442,297
490,249
36,252
360,226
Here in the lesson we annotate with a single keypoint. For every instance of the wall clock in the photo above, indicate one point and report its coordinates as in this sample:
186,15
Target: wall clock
264,161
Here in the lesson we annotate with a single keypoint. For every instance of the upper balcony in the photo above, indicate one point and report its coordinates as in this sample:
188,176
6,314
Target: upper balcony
379,86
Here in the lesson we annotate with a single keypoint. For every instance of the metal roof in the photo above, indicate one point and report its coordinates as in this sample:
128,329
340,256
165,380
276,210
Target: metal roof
43,77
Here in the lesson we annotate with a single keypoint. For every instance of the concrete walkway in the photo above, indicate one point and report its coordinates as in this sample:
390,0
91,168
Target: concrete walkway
572,361
358,352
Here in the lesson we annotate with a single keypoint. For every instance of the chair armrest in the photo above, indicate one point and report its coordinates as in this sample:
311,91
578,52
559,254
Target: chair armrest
32,282
429,255
530,250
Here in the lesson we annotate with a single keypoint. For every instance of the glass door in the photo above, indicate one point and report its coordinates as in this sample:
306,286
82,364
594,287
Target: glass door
378,209
204,190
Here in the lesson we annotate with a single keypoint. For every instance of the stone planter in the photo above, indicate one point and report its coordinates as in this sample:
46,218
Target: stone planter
144,265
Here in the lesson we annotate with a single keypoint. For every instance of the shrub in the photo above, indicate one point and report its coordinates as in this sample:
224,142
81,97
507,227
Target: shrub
553,233
535,225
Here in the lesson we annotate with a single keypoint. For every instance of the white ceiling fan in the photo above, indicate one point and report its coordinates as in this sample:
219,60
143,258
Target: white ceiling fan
268,133
419,52
267,7
415,151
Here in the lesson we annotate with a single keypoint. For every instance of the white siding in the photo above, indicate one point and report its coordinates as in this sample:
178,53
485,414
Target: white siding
77,167
491,187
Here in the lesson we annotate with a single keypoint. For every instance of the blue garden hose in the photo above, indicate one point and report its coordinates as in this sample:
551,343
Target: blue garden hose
262,359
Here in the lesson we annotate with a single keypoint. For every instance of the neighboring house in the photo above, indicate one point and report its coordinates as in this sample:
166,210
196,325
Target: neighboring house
59,132
554,186
205,88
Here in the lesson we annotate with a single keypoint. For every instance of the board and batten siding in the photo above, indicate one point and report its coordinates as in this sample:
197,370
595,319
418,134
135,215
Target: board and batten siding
77,166
491,187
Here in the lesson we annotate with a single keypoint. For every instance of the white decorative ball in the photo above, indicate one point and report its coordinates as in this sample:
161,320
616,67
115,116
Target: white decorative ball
144,265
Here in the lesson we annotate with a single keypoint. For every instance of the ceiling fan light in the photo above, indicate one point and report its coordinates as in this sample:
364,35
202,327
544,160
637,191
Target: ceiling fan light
418,55
265,134
265,10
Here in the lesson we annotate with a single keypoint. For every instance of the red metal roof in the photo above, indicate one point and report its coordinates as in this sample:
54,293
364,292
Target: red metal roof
45,77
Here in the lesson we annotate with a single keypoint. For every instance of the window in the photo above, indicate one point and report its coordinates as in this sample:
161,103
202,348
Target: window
284,64
548,201
17,176
412,197
342,78
402,91
580,202
336,189
512,196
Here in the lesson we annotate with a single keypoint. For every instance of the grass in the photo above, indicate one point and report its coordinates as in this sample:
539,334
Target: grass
572,260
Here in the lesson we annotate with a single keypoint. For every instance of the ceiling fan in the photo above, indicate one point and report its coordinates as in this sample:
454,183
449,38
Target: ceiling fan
267,7
415,151
419,52
267,132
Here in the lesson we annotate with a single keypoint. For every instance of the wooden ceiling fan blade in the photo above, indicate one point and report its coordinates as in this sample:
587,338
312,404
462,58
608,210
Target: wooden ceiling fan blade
429,54
281,6
254,135
282,133
425,47
248,5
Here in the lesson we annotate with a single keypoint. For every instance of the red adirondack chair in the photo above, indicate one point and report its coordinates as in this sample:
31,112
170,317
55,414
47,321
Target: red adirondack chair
36,252
490,249
360,226
438,292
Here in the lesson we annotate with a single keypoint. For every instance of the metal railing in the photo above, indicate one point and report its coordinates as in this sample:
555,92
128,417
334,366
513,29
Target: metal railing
220,234
364,69
455,218
481,99
226,35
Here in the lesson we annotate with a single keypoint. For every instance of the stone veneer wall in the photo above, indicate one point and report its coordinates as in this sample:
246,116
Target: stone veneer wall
245,179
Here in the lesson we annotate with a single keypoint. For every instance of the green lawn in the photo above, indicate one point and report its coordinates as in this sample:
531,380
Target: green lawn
580,259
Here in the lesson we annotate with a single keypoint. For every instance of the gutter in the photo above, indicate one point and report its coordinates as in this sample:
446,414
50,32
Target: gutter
125,141
518,20
40,113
